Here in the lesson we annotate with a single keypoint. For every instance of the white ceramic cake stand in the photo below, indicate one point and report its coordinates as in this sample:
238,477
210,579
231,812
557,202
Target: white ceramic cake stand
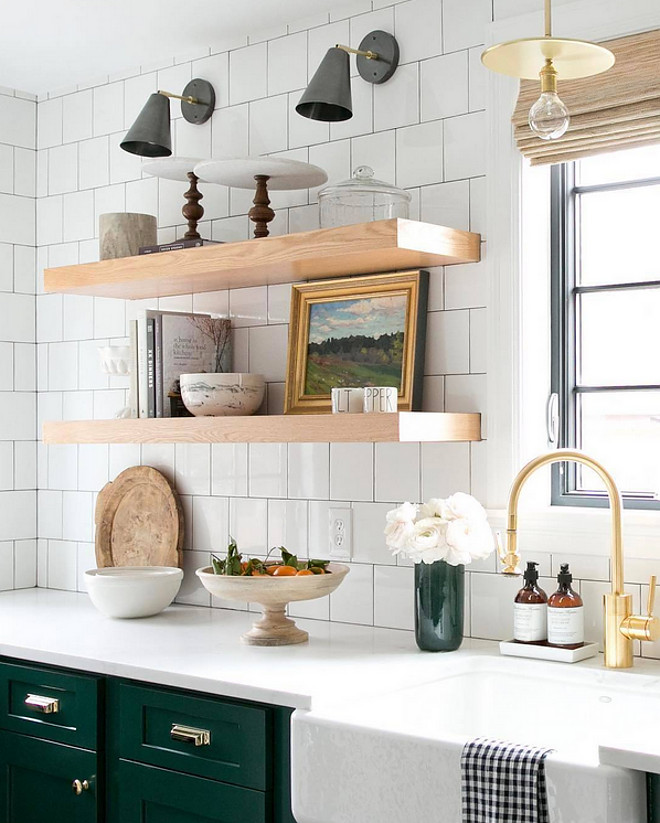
275,173
181,169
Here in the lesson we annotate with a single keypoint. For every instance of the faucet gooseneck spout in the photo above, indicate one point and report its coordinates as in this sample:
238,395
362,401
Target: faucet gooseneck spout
621,626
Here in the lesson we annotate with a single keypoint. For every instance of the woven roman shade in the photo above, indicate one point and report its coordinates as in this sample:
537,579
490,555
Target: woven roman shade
618,109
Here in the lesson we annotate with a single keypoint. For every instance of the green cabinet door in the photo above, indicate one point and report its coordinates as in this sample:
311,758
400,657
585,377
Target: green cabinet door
147,794
36,782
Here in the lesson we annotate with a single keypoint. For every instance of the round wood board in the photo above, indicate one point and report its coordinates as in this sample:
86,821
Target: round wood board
139,521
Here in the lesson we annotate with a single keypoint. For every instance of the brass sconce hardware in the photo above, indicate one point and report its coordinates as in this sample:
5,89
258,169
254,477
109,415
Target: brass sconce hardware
150,136
328,95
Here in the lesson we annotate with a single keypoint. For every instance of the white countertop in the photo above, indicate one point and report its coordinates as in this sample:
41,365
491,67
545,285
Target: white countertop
199,649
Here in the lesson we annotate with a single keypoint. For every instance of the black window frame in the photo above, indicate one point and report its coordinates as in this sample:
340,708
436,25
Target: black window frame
564,357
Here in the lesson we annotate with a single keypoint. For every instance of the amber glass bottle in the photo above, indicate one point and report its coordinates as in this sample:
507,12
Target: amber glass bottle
530,609
565,614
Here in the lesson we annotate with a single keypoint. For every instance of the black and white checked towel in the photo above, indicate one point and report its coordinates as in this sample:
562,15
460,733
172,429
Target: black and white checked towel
503,782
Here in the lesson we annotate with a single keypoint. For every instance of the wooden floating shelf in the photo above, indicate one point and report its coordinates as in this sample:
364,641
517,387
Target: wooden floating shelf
366,248
403,427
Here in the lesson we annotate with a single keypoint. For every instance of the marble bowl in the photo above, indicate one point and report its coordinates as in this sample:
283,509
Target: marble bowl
222,395
273,594
133,591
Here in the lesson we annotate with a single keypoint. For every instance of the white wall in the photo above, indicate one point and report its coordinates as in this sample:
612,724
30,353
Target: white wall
426,130
18,466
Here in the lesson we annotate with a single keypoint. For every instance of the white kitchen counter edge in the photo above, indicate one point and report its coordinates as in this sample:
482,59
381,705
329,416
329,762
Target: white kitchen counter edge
199,649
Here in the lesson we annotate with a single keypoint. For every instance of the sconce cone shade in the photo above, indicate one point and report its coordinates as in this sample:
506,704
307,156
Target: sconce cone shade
328,96
150,135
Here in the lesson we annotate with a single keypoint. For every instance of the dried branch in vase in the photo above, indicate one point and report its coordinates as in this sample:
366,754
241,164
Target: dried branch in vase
218,330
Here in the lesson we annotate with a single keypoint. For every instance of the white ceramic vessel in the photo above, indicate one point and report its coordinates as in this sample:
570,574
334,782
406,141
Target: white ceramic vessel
133,591
273,593
401,750
222,395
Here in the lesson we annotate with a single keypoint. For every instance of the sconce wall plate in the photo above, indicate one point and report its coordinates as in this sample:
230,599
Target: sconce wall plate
387,49
204,93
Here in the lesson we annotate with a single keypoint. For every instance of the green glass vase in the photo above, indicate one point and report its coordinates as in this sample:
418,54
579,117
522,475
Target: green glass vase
439,600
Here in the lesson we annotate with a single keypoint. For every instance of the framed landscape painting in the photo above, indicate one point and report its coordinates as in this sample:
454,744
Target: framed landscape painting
356,332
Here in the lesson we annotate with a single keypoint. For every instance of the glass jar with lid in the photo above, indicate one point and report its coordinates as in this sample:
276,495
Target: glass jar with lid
361,200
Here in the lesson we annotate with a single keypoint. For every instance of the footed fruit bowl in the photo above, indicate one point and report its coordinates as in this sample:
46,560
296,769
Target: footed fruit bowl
273,594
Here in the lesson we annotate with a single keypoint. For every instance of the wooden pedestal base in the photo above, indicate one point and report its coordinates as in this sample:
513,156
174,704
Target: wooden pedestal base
274,629
261,213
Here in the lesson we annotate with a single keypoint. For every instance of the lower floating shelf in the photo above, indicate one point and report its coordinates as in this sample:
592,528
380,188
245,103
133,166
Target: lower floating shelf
403,427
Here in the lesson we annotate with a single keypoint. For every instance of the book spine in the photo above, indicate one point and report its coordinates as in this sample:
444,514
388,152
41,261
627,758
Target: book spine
143,394
161,410
151,374
133,389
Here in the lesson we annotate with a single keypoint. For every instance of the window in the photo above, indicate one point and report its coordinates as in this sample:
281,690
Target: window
606,323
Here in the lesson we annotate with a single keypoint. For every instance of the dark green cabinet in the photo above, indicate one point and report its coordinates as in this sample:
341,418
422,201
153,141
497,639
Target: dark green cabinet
146,794
36,782
140,753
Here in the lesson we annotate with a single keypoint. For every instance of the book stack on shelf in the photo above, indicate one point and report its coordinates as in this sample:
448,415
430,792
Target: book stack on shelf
166,345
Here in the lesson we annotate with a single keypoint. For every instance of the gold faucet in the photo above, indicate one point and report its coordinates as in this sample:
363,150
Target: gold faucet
621,626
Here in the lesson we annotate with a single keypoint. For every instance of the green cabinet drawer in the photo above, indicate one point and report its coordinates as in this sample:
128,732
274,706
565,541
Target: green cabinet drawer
36,782
49,704
146,794
232,743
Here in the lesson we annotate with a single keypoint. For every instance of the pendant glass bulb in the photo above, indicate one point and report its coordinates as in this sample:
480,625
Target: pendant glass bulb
548,117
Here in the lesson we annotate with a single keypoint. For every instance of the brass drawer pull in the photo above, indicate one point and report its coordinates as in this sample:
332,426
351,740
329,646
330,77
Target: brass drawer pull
80,786
46,705
188,734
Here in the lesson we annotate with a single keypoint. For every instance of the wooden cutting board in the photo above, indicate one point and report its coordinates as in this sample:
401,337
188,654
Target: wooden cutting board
139,521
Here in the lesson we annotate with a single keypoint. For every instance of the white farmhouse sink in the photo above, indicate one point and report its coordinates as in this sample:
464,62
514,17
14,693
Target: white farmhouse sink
395,758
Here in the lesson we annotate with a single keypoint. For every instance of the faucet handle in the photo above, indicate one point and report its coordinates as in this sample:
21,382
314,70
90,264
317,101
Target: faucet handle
643,627
651,602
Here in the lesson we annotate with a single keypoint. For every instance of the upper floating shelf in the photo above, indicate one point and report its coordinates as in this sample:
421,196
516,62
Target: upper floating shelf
403,427
366,248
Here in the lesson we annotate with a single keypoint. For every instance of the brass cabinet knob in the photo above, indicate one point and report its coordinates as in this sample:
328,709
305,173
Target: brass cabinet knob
80,786
643,626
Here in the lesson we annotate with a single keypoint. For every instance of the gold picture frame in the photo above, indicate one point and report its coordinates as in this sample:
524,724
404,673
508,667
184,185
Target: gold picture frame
391,308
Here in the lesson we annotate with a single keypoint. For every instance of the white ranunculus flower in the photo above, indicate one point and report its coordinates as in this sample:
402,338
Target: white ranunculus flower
456,557
429,535
473,537
433,508
399,527
462,506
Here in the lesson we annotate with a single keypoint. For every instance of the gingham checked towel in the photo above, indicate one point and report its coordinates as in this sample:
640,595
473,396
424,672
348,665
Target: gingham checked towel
503,782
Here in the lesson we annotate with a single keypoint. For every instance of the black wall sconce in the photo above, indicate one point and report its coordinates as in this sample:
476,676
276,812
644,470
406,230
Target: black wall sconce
150,135
328,95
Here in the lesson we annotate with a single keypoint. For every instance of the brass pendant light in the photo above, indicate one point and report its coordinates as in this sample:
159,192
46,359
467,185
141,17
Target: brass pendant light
548,58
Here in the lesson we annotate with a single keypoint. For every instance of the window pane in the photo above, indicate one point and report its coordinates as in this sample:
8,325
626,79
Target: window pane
622,430
618,166
620,338
619,236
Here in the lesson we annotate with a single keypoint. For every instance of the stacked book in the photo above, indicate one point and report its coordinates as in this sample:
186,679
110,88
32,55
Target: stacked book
166,345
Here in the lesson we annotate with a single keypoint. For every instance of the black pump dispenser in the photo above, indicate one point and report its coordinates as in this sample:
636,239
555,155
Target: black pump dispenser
531,575
564,577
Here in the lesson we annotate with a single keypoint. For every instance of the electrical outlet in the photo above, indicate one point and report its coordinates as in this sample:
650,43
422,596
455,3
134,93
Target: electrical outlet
340,533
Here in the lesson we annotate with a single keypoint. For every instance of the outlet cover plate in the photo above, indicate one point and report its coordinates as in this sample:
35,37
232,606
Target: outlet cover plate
340,533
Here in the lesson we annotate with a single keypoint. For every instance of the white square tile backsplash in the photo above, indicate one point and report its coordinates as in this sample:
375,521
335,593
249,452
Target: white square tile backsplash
424,130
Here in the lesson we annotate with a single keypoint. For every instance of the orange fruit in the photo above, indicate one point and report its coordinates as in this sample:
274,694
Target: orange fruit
259,574
271,569
285,571
305,573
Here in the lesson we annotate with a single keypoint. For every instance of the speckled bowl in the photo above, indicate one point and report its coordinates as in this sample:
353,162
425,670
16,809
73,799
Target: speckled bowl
222,395
273,593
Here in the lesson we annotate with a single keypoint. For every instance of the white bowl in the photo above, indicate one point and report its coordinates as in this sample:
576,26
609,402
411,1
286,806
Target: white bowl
222,395
133,591
273,593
